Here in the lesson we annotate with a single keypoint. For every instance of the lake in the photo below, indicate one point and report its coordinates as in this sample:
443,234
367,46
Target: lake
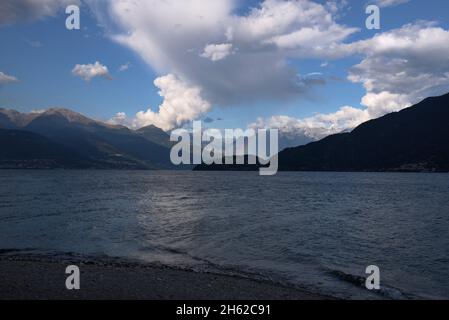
317,231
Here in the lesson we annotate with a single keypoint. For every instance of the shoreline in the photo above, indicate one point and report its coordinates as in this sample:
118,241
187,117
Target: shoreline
237,170
42,277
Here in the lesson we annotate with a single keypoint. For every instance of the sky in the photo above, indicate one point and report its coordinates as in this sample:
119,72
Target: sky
309,68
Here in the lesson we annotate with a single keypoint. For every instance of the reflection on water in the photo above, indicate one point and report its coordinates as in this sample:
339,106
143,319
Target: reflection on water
316,230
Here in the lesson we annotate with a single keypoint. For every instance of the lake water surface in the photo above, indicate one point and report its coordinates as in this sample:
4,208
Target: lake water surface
313,230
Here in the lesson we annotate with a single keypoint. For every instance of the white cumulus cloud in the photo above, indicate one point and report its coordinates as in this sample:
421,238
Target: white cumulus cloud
5,78
216,52
124,67
119,119
317,126
182,103
89,71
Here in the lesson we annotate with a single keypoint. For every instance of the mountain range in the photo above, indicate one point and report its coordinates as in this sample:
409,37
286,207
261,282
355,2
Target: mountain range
61,138
415,139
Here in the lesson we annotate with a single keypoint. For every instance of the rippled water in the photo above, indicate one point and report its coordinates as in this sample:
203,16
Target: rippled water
313,230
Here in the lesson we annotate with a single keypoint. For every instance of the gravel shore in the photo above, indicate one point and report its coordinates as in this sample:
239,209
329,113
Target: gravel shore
43,278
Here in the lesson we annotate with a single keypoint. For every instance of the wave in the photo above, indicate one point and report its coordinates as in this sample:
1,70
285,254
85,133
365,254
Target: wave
385,291
204,265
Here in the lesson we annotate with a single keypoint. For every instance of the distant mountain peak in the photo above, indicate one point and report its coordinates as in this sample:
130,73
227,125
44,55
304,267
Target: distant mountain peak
69,115
149,127
10,118
22,119
156,135
60,137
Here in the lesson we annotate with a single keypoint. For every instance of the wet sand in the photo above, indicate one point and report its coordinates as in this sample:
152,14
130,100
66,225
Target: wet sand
43,278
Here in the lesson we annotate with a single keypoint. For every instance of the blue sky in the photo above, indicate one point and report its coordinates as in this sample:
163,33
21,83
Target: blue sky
41,54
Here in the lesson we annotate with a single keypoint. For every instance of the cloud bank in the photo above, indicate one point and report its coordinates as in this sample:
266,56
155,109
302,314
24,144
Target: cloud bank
399,68
233,59
208,55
